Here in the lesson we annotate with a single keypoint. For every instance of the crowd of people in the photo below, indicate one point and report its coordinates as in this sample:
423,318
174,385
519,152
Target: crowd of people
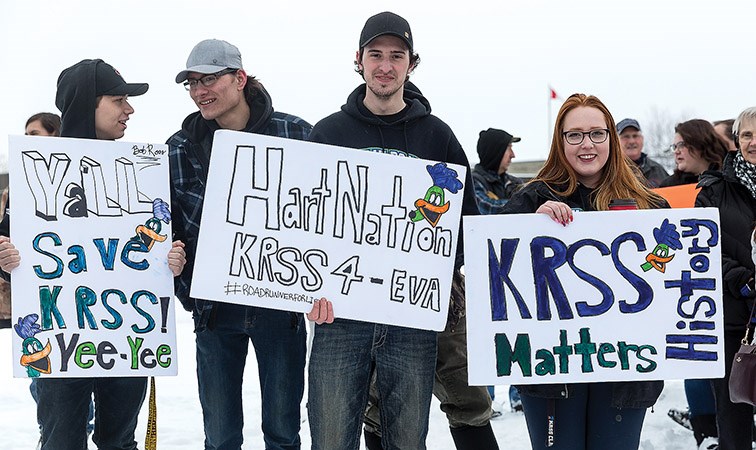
372,379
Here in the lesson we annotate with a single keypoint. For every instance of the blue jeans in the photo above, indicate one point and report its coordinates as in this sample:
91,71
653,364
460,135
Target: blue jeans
279,339
584,421
343,356
63,407
35,396
700,397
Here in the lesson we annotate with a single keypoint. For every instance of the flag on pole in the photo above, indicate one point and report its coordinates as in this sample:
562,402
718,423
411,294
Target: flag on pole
553,95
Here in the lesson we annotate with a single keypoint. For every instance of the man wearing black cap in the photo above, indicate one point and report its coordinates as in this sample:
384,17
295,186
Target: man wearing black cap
493,185
631,141
228,98
93,99
382,115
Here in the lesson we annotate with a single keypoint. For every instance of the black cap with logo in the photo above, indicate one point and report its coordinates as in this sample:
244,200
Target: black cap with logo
386,23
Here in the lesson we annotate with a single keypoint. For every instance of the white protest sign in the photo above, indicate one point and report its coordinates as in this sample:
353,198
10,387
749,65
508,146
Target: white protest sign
93,294
615,295
285,222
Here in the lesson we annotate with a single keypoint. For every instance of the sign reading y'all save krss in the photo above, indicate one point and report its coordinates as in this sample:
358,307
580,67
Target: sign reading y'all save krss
93,295
613,296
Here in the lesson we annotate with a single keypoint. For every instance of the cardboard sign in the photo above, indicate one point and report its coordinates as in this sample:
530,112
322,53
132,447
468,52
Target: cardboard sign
615,295
286,222
93,294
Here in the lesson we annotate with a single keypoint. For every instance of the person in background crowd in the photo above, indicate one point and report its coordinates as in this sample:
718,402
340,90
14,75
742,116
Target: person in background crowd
493,185
697,148
493,188
40,124
631,140
724,130
43,124
733,191
230,99
585,169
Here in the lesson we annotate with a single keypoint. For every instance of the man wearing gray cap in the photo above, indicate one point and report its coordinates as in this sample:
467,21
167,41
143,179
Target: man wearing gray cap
631,141
228,98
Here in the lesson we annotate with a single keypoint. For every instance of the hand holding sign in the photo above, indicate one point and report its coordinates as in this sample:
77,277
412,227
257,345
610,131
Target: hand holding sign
558,211
321,312
9,256
177,258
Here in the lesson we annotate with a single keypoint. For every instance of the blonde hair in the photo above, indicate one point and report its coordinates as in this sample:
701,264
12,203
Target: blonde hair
620,177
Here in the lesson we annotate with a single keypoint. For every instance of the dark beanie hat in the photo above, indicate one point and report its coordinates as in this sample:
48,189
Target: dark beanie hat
492,144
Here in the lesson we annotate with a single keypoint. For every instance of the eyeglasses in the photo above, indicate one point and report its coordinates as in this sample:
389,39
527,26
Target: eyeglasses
207,80
577,137
745,137
676,146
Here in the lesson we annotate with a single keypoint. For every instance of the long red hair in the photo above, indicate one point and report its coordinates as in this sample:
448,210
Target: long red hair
620,177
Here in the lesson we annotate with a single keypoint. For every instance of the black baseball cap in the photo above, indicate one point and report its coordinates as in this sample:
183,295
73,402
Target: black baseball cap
108,81
386,23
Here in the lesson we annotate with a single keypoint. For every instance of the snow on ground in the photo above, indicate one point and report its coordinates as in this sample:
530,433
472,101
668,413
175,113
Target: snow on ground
180,418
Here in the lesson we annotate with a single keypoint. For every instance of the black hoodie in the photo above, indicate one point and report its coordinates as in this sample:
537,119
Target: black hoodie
414,132
77,101
78,89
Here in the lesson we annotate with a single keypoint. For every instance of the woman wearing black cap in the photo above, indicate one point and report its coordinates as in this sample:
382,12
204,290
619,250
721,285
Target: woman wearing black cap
93,99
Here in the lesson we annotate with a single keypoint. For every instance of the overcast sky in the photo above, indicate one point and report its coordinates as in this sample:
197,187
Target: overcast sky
484,63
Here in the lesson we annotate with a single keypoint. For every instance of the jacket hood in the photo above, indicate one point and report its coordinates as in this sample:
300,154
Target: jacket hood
78,89
76,99
711,176
261,109
419,106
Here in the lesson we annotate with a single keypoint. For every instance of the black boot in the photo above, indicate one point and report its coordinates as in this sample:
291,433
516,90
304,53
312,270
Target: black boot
704,426
372,441
474,438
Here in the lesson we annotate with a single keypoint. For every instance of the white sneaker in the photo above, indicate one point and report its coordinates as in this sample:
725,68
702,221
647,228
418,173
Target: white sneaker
710,443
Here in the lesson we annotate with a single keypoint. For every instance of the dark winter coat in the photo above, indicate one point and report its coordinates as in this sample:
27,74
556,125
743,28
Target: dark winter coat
679,179
493,191
652,170
737,212
635,394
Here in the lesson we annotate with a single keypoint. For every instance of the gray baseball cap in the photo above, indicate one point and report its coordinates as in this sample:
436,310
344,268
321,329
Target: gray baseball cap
625,123
210,56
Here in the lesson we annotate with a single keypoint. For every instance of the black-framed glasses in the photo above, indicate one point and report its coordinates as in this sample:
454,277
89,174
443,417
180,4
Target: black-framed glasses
576,137
676,146
207,80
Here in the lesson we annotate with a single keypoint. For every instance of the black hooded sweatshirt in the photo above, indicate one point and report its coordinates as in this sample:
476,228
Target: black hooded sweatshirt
414,133
77,101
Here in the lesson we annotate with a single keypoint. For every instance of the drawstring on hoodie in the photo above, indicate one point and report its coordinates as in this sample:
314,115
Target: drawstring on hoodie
383,141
